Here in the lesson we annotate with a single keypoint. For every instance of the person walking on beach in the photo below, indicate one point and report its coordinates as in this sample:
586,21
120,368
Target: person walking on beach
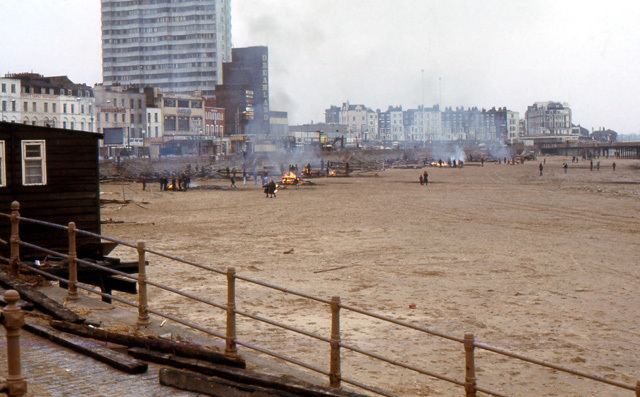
540,167
421,180
598,165
591,165
425,177
272,188
233,181
565,166
613,166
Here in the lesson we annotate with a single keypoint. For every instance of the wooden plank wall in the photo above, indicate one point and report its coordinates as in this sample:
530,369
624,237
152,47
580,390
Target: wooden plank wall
71,193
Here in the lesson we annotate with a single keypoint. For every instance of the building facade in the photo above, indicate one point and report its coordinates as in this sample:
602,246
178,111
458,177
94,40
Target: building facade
10,91
54,101
423,124
513,126
332,115
213,119
121,116
550,121
279,124
361,122
155,127
604,135
176,45
390,125
245,92
474,124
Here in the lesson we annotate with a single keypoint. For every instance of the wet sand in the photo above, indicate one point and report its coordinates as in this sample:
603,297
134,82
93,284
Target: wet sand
546,266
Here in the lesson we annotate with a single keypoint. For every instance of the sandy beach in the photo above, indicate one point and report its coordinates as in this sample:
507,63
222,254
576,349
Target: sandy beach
546,266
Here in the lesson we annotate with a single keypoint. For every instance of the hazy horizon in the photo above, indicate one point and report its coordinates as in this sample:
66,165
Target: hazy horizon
323,52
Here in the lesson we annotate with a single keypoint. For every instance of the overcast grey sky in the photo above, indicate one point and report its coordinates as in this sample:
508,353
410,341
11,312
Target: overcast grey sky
487,52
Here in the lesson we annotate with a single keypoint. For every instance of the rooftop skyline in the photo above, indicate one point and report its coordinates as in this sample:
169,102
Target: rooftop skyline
484,54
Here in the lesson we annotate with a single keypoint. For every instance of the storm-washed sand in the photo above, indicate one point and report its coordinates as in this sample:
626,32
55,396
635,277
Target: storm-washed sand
546,266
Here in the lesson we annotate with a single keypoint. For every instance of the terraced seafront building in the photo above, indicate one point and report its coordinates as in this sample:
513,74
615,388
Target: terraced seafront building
176,45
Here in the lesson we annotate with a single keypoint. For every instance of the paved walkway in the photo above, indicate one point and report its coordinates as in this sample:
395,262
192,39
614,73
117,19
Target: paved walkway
54,371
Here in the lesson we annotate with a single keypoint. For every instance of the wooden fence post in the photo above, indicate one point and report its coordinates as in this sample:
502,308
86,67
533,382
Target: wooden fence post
14,264
143,308
231,349
13,321
72,292
470,366
334,369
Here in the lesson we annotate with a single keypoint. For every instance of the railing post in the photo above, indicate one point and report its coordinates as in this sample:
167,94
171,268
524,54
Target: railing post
14,264
143,308
334,369
72,292
13,321
470,366
231,349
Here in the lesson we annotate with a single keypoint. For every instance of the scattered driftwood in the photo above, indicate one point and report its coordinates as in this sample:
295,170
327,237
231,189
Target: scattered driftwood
114,201
331,269
244,376
91,349
213,386
111,221
123,202
184,349
210,187
39,300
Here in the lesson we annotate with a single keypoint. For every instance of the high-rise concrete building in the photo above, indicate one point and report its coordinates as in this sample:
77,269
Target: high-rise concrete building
176,45
245,92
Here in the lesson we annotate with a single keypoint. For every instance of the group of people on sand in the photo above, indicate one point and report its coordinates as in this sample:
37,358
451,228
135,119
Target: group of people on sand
270,189
565,165
176,183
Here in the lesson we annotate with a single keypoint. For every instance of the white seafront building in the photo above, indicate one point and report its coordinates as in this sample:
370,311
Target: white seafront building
54,101
10,110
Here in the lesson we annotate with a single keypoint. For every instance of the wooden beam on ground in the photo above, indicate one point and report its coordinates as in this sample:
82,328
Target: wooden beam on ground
242,376
213,386
40,301
89,348
183,349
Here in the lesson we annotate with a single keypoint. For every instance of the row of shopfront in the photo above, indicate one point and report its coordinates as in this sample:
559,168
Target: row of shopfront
114,145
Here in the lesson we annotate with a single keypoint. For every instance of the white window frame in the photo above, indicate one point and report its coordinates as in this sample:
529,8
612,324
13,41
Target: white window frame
3,162
42,158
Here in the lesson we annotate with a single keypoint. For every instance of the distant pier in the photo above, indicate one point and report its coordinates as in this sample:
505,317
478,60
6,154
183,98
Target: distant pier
622,150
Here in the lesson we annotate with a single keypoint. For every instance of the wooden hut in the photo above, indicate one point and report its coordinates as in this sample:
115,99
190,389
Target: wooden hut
54,175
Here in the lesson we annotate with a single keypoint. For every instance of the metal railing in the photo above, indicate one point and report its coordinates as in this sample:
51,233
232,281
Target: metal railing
334,340
13,319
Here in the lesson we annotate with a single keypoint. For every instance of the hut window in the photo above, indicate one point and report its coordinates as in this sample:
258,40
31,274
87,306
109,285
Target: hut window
3,172
34,163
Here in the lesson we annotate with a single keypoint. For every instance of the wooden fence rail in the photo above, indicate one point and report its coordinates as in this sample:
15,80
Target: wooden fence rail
335,305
